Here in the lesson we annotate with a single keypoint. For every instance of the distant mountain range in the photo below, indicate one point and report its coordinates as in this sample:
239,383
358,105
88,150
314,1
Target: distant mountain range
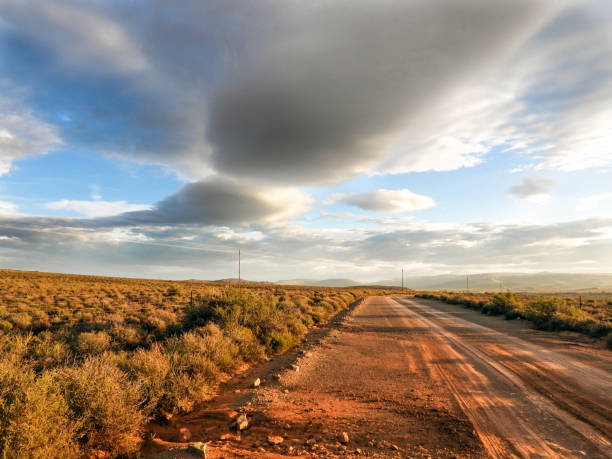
521,282
320,283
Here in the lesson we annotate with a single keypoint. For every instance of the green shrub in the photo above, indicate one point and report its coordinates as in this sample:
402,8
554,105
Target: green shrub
104,403
597,330
93,342
512,314
21,320
191,380
248,346
281,341
150,369
199,314
126,336
174,290
48,350
34,417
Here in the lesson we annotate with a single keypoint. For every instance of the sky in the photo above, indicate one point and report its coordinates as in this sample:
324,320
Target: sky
328,139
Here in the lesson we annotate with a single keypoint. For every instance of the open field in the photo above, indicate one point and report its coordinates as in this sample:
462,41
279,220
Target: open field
87,361
92,365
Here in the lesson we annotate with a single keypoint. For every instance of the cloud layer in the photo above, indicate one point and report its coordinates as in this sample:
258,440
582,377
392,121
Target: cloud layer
21,132
283,91
251,102
97,208
393,201
275,251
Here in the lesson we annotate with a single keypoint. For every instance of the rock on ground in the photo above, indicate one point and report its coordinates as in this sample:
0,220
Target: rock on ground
275,439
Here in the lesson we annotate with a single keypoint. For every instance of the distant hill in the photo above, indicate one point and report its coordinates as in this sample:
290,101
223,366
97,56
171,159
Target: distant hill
320,283
521,282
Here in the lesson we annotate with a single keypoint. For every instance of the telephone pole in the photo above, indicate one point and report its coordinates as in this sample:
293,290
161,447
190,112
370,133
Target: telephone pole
402,281
239,271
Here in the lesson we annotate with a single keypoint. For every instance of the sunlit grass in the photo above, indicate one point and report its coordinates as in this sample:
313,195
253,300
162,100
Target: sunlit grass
92,359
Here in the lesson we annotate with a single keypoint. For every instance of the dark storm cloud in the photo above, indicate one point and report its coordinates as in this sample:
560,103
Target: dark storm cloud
318,99
284,91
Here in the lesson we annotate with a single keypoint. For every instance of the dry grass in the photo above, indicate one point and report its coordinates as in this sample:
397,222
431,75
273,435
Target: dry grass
87,360
590,315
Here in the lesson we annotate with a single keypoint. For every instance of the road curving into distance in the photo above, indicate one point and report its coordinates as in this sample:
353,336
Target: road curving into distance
527,396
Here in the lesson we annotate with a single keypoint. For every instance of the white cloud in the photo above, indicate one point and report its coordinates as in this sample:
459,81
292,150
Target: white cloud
92,209
295,250
21,133
394,201
228,234
290,203
8,209
118,235
594,202
549,102
83,38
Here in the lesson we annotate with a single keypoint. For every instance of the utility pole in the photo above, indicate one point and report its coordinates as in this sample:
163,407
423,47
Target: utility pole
239,271
467,283
402,281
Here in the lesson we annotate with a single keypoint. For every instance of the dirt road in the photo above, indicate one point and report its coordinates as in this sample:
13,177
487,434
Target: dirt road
525,398
416,378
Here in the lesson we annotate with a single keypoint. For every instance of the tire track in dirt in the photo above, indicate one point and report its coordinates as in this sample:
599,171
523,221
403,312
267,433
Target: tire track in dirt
514,412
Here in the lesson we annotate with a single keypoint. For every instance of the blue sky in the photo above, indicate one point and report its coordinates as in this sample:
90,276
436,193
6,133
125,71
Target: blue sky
324,141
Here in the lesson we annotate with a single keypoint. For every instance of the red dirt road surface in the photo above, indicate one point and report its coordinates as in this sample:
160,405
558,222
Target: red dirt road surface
405,377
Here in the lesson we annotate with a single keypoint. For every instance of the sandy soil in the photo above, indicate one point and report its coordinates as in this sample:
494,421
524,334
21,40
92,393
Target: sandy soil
414,378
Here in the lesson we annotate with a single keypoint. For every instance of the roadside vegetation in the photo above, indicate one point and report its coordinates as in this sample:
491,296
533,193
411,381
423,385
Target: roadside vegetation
87,361
590,315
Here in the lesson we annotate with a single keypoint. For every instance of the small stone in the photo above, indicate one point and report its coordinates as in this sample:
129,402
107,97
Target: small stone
198,448
358,451
242,422
277,376
184,434
257,382
311,441
395,447
295,367
229,436
286,391
343,438
275,439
